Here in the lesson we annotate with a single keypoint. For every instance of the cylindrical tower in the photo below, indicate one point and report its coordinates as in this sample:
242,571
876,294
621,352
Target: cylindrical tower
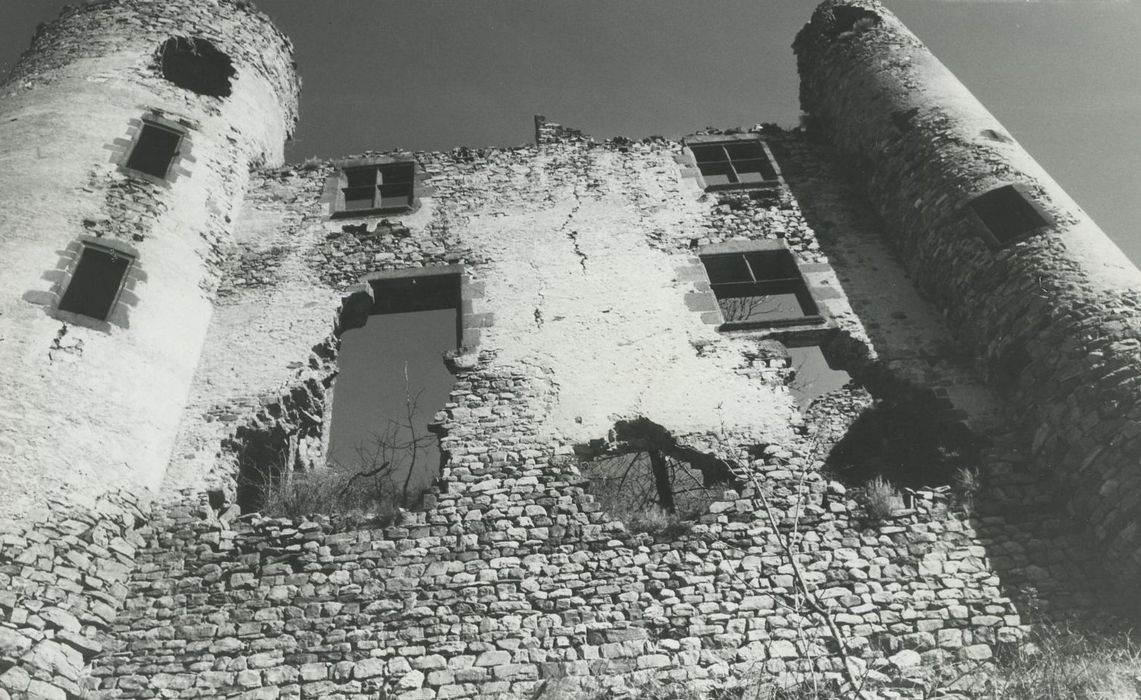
127,133
1027,280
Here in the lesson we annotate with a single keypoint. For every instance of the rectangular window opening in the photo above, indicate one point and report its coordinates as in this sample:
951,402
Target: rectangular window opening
1008,214
759,289
384,187
735,164
95,283
154,150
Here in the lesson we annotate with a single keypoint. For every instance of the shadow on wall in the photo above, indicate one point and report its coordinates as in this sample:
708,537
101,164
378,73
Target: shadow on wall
643,477
1044,558
909,441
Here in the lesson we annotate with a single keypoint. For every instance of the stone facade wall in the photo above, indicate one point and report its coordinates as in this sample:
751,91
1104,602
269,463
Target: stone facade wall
512,576
1057,315
585,308
63,580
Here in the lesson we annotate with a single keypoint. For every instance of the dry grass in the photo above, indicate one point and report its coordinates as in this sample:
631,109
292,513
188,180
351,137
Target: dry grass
882,498
329,491
656,521
1064,664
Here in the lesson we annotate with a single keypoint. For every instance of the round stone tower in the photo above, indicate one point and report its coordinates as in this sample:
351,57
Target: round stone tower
1030,284
127,133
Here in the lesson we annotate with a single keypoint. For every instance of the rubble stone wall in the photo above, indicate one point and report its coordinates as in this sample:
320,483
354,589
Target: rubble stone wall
511,575
89,408
1057,315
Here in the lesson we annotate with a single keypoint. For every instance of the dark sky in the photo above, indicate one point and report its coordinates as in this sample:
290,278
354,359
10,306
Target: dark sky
1064,77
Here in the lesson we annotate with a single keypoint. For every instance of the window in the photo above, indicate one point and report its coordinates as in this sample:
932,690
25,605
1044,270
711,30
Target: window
154,150
734,164
1008,214
383,187
96,282
760,288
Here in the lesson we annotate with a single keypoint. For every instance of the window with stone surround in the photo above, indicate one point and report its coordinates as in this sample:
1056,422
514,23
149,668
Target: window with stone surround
154,149
1008,214
374,188
760,288
96,282
734,164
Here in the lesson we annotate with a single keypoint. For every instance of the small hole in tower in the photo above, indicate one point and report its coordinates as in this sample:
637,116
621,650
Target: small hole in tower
196,65
853,19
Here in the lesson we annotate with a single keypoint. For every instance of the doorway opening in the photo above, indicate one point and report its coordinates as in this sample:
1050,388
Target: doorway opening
390,383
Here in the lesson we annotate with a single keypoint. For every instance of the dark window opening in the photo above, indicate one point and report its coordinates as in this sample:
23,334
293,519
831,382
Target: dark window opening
636,484
382,187
391,381
154,150
1008,214
96,282
760,288
196,65
734,164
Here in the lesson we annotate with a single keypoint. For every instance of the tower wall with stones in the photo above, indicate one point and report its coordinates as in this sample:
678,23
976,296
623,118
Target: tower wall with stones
1056,315
94,404
90,403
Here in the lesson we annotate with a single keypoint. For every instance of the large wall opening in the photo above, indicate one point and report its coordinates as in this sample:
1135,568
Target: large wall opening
197,65
642,476
391,382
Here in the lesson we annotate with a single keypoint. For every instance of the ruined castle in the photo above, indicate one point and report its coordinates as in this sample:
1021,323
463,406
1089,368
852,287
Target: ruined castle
170,319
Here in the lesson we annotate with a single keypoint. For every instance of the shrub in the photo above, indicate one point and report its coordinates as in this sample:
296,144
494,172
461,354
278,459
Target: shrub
966,486
882,498
311,163
656,521
330,491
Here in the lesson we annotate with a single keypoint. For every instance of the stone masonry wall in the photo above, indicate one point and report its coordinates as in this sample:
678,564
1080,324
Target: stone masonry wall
585,307
511,577
1056,316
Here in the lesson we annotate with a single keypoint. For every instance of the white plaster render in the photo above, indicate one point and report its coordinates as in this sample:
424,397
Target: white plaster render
103,414
615,330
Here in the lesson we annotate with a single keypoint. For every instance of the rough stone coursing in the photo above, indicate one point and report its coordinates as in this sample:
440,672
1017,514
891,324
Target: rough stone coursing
511,562
1057,317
